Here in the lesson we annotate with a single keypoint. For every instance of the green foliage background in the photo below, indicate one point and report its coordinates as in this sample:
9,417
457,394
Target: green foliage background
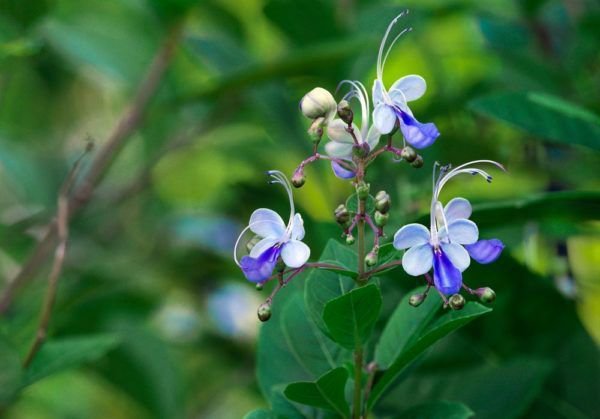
153,319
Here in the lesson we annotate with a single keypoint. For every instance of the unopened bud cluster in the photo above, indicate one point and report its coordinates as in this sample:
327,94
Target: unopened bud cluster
410,155
320,106
382,208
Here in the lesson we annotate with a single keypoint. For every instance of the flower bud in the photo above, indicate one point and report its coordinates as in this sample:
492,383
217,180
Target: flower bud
264,312
252,242
456,302
318,103
362,190
342,215
316,129
417,162
416,300
409,154
381,219
344,111
486,295
371,258
349,239
260,286
298,179
382,202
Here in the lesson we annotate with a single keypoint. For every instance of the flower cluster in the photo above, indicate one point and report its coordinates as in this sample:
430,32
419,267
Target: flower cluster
446,247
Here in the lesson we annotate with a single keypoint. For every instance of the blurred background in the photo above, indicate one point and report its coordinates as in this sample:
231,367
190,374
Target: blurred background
154,320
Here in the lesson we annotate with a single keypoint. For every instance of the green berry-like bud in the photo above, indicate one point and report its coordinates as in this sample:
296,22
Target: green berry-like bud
381,219
486,295
344,111
264,312
260,286
362,190
456,302
409,154
417,162
298,179
318,103
416,300
342,215
371,258
252,242
350,239
316,129
382,202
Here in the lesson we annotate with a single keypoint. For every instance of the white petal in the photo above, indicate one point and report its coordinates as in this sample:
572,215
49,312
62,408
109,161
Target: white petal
457,254
463,231
297,227
373,137
411,235
399,100
418,260
267,223
384,118
261,246
336,131
340,150
457,208
295,253
413,86
378,92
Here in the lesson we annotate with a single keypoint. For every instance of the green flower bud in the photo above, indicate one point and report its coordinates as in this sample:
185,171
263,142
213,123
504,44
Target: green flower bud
342,215
416,300
417,162
456,302
260,286
349,239
298,179
253,242
264,312
344,111
371,258
486,295
381,219
318,103
382,202
362,190
316,129
409,154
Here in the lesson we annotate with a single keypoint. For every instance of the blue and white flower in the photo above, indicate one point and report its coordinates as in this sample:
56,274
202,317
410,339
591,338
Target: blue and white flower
452,239
391,106
277,239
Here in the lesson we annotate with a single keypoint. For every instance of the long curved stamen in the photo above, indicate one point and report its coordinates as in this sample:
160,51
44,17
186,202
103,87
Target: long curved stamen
464,168
405,30
281,179
358,91
237,242
383,43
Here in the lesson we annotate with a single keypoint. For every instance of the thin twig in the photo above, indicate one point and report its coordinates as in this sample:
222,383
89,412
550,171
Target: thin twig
128,123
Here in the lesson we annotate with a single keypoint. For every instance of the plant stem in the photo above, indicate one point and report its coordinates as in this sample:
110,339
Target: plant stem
357,401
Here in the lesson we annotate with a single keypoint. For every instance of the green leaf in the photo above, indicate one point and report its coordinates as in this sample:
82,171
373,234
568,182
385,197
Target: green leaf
10,371
351,317
388,253
544,116
327,392
352,204
419,337
59,355
260,414
438,410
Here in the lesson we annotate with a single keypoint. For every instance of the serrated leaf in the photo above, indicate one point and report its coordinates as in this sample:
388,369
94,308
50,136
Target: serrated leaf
438,410
326,393
350,318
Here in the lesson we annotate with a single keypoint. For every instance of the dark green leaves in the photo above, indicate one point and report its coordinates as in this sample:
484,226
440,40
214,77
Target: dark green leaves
351,317
10,371
438,410
544,116
327,392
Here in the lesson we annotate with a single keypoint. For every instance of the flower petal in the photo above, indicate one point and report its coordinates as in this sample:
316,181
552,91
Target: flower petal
457,255
411,235
418,260
485,251
378,92
267,223
417,134
260,269
342,172
446,277
260,247
384,118
336,131
373,137
297,227
339,150
412,86
463,231
457,208
295,253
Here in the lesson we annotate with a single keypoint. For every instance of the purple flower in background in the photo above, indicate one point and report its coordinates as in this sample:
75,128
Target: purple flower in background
452,239
277,239
391,106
